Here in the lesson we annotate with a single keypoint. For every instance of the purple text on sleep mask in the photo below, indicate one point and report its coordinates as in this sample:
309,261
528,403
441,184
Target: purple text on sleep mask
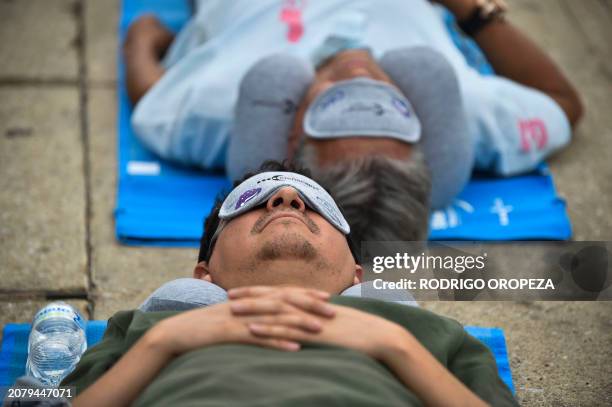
331,99
246,197
401,106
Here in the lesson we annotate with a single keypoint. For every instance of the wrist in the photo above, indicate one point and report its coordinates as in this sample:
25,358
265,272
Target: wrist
461,9
158,339
173,336
397,346
484,13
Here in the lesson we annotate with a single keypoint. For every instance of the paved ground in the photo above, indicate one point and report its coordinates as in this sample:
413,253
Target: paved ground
57,160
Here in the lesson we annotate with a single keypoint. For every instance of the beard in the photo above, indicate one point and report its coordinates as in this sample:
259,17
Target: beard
285,246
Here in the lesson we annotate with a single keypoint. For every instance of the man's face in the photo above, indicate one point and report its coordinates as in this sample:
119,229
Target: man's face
346,65
281,243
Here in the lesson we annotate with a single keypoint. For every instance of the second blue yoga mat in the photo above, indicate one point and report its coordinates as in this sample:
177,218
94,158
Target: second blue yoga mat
164,205
14,351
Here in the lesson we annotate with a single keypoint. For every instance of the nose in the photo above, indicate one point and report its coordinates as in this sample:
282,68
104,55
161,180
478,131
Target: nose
286,198
358,72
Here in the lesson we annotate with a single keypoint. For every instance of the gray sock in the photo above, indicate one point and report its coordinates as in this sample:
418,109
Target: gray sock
430,83
269,95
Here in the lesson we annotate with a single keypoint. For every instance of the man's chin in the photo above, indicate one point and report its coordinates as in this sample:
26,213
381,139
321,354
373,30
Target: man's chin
292,272
289,246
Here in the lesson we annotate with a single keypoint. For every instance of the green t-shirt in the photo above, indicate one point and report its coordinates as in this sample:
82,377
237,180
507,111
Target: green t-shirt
318,375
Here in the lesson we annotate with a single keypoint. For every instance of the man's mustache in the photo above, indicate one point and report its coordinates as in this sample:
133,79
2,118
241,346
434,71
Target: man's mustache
263,220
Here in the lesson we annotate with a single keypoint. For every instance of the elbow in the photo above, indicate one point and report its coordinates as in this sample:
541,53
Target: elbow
574,108
579,111
575,111
135,92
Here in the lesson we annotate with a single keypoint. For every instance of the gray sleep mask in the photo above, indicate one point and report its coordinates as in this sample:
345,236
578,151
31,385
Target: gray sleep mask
362,107
259,188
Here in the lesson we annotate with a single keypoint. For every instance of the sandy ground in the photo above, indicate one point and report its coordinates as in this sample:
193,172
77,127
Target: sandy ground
57,160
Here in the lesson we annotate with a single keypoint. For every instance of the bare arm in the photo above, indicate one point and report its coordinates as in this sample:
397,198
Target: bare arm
146,42
420,371
129,376
195,329
413,365
516,57
383,340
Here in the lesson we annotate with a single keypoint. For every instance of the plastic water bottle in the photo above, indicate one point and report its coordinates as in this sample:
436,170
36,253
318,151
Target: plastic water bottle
56,343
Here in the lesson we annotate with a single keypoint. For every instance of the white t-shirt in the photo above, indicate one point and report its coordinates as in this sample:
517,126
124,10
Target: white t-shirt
187,116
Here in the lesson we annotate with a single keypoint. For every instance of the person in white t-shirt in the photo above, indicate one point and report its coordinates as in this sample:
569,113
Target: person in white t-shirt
373,96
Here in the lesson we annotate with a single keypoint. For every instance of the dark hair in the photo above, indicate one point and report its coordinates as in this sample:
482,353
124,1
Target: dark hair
212,220
384,199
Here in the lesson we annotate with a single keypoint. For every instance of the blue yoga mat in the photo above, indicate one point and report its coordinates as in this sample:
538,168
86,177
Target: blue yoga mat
14,352
165,205
15,349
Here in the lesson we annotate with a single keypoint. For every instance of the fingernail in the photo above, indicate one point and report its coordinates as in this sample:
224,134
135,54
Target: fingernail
293,346
255,326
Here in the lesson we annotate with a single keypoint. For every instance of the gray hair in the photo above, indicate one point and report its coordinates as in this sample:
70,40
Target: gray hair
383,199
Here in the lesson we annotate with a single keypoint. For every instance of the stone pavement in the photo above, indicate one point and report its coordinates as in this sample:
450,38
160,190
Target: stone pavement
58,166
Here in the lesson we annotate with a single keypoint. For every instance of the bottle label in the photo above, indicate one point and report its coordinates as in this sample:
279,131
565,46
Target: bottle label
58,311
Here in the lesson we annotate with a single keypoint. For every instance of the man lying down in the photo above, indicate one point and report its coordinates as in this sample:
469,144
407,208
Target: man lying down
280,246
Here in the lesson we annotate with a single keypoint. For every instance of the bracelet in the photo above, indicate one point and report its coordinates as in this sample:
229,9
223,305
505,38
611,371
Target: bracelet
485,12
